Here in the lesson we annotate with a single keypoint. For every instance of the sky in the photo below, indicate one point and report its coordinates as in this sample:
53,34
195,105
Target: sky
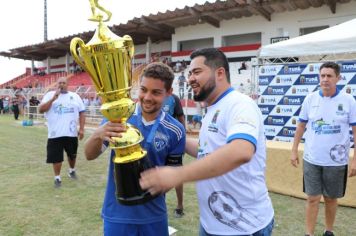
21,22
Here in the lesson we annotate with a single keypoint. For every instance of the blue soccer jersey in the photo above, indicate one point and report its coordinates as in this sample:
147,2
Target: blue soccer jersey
168,140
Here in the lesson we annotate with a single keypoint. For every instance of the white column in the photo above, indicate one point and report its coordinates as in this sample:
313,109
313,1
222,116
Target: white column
48,65
67,62
32,66
148,50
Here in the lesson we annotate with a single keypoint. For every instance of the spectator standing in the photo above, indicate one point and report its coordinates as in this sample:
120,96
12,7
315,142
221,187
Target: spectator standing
181,84
33,106
327,114
63,110
16,102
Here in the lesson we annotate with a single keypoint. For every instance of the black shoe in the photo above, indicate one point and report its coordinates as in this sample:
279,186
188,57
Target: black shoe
72,175
57,183
328,233
178,213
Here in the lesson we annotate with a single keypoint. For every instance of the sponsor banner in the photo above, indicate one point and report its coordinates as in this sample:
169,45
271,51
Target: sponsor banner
353,80
276,120
283,139
283,110
281,80
348,66
301,90
345,78
266,109
312,68
270,70
292,69
271,130
265,80
287,132
282,90
269,100
312,79
292,122
276,90
261,89
291,100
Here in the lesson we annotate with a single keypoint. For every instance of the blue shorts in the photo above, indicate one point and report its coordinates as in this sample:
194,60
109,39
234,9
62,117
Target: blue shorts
152,229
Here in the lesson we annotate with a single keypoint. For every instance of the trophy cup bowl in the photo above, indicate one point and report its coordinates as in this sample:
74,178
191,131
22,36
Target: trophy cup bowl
107,59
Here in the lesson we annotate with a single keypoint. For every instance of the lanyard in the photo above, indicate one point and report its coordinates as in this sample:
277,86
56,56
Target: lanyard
153,128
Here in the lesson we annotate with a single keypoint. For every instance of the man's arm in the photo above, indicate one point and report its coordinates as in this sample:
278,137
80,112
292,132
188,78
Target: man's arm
47,105
352,171
297,137
191,147
93,146
81,125
221,161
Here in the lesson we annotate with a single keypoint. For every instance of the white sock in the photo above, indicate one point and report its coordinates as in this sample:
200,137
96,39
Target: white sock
71,170
57,177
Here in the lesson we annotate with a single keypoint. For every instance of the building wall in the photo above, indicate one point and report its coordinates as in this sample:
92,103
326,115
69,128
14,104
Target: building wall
282,24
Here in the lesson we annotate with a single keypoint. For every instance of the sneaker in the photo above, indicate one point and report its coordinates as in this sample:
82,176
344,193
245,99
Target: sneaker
328,233
72,175
57,183
178,213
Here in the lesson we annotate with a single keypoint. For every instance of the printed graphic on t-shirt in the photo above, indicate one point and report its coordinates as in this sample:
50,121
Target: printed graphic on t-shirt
227,210
213,127
160,141
321,127
339,153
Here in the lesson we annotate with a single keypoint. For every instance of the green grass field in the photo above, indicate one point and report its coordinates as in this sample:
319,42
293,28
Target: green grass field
29,204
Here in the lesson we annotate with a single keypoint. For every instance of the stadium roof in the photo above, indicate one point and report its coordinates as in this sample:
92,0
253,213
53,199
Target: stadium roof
161,26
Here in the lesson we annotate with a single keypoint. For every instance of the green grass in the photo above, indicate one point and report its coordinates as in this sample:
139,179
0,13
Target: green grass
29,205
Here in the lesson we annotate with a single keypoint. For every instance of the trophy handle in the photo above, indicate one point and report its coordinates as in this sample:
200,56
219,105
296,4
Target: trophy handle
73,49
129,43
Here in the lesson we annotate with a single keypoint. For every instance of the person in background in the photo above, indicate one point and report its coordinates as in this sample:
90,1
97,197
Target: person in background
181,82
242,67
231,151
327,114
33,106
173,107
16,102
164,141
63,110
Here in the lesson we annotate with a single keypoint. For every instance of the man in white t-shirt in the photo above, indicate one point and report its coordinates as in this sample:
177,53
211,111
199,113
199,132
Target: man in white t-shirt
63,109
327,114
231,152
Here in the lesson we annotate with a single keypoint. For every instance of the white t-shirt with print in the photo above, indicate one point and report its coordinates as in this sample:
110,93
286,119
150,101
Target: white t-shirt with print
236,203
327,138
63,116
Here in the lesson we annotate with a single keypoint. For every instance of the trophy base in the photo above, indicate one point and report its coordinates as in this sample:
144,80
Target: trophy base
127,177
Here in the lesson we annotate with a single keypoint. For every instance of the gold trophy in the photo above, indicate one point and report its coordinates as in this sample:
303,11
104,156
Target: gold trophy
107,59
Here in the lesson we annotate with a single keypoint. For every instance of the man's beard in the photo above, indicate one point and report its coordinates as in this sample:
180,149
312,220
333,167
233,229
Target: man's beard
205,91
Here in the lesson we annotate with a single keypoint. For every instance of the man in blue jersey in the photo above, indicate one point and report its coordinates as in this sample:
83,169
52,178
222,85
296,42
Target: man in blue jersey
165,148
231,152
327,115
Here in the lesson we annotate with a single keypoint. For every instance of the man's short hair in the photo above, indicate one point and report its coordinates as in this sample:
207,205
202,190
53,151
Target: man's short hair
214,58
161,71
331,65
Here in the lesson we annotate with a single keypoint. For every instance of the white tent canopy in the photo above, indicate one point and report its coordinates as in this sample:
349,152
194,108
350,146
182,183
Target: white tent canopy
339,39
